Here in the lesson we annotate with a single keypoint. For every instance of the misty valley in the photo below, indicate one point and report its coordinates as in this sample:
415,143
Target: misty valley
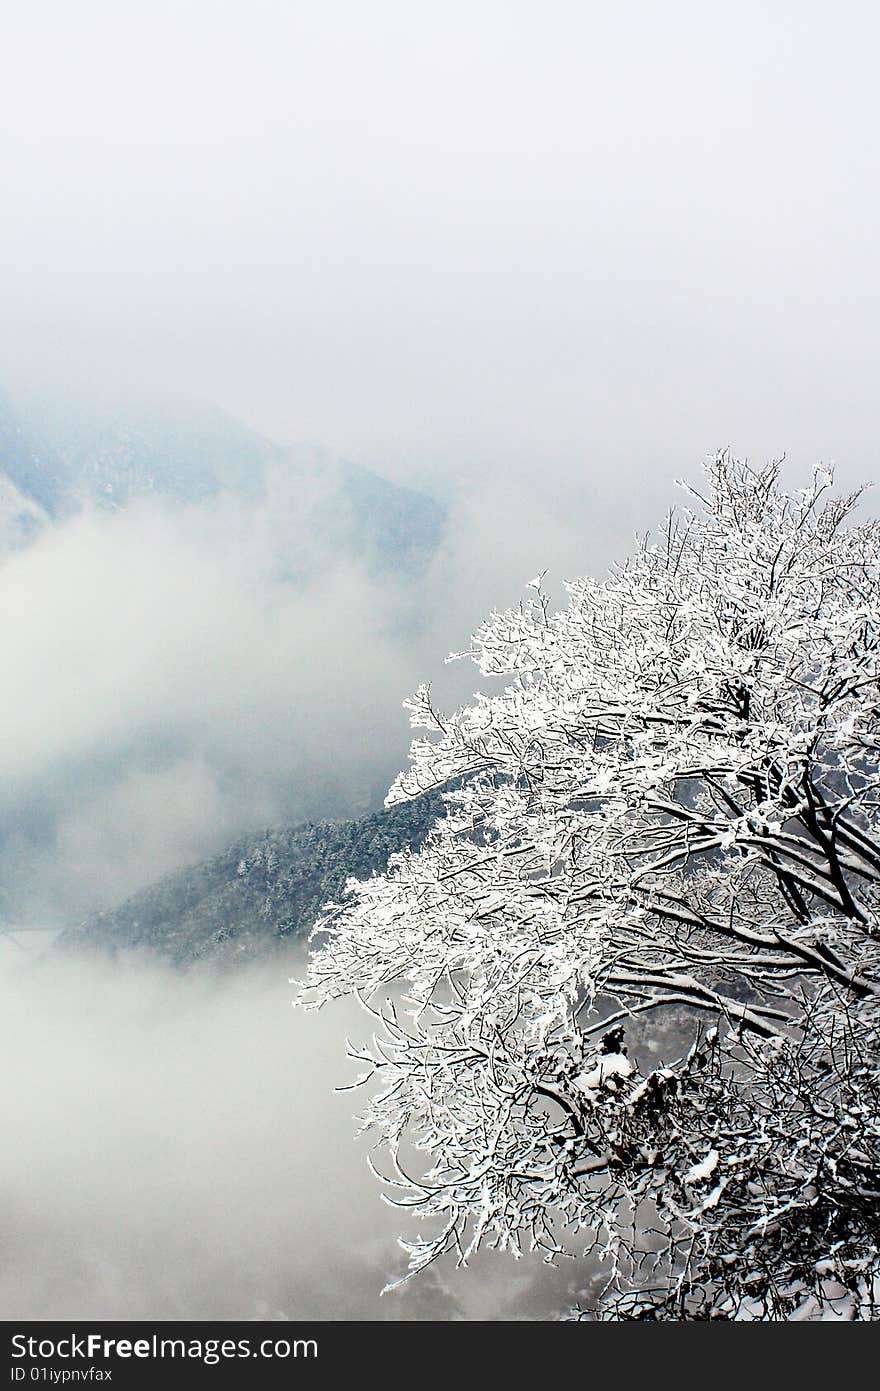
179,592
587,979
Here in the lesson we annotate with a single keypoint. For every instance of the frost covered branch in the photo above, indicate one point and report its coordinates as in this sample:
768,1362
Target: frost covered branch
664,834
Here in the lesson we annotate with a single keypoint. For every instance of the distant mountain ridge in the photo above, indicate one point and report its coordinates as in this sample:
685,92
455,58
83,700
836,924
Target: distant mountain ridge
258,895
55,460
27,462
287,518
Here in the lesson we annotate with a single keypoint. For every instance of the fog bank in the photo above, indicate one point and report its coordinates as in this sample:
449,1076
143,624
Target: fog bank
178,675
174,1150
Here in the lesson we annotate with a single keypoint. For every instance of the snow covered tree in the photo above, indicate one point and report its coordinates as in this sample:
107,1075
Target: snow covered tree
626,995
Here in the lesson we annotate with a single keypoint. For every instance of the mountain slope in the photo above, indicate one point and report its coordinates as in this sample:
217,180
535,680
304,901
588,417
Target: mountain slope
28,463
260,893
30,488
56,459
21,518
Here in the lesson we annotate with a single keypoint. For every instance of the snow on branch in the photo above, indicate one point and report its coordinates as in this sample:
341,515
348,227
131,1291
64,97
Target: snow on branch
634,968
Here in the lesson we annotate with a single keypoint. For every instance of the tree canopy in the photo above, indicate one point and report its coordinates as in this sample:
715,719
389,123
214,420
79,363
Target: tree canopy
625,996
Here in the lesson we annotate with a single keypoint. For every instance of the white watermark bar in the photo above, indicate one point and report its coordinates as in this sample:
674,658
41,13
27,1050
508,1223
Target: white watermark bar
137,1354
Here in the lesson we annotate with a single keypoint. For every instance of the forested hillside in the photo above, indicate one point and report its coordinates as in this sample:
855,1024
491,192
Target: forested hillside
260,893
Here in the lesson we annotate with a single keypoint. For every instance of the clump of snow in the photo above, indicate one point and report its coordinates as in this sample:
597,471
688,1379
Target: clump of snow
699,1173
608,1067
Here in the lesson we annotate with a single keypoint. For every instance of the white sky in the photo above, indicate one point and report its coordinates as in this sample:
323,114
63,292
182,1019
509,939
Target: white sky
567,240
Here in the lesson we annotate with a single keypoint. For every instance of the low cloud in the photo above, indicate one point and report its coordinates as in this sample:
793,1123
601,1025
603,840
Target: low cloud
176,676
174,1150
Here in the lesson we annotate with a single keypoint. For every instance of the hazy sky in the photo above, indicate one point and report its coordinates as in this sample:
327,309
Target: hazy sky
564,239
